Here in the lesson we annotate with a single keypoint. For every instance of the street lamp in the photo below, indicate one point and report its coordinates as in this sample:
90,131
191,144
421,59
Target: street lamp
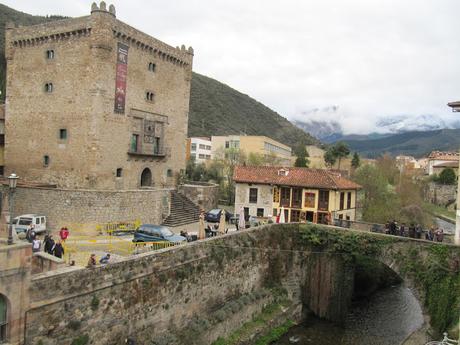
456,108
12,182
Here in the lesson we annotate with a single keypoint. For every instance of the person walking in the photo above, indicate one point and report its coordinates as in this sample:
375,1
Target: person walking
58,250
30,233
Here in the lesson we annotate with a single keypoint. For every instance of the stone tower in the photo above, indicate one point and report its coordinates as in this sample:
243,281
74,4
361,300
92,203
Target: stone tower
92,103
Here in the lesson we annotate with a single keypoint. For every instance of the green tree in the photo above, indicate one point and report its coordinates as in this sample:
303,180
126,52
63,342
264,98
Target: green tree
356,161
447,176
330,157
302,156
341,150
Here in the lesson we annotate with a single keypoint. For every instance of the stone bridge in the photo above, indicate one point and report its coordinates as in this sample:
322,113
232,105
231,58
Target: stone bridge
205,290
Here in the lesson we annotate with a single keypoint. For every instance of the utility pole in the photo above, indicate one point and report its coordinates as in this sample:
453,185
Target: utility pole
456,108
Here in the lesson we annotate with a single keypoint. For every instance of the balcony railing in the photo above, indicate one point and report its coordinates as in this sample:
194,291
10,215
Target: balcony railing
323,205
157,153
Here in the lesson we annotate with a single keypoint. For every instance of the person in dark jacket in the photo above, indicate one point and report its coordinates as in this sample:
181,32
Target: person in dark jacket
58,250
402,230
412,231
48,244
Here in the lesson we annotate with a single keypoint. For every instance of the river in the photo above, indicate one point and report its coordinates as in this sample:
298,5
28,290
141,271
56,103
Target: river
448,228
388,317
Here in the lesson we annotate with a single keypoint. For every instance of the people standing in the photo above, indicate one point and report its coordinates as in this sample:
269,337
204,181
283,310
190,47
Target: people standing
429,235
91,261
402,230
36,245
412,231
30,233
439,235
48,246
393,227
418,231
58,250
105,259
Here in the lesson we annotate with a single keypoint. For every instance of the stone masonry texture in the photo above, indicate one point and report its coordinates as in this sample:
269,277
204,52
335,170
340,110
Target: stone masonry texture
83,72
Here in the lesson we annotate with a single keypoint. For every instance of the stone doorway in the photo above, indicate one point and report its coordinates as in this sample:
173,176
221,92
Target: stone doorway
146,178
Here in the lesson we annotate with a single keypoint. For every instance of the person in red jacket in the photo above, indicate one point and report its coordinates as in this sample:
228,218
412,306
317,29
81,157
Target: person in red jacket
64,233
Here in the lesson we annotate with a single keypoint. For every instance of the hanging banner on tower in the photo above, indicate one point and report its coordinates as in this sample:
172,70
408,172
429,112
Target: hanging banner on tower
120,80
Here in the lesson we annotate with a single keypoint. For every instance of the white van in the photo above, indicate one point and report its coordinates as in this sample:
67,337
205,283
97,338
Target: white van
22,223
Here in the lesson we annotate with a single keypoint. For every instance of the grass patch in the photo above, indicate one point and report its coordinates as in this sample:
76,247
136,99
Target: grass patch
275,334
267,314
439,210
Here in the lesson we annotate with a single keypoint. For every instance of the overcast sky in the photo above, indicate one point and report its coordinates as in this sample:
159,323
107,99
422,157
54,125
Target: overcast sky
370,58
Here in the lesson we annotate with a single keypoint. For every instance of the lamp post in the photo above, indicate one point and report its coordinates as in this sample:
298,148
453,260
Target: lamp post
456,108
12,181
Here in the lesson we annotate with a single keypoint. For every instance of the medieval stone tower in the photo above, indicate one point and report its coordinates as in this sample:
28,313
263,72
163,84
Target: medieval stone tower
93,103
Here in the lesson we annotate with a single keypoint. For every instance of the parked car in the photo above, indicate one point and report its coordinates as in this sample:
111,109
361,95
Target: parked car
22,223
213,216
156,233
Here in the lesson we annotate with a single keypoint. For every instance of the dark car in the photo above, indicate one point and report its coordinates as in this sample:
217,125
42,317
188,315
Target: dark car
156,233
213,216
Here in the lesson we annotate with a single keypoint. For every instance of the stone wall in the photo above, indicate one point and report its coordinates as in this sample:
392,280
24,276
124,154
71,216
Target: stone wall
205,195
179,293
440,194
81,210
15,270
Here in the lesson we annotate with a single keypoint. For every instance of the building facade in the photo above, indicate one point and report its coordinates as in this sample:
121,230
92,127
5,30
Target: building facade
313,195
253,144
92,103
438,158
199,149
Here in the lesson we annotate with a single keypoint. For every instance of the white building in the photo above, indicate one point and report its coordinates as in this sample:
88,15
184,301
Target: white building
200,149
438,157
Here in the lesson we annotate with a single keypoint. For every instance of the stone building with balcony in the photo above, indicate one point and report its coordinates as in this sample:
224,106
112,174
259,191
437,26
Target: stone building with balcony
96,116
312,195
93,103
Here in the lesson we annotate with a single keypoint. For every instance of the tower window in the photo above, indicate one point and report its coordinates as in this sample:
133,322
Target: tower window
46,160
149,96
63,134
50,54
152,67
49,87
169,173
119,172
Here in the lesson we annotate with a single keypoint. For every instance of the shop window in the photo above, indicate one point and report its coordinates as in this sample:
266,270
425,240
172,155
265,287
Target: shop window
310,200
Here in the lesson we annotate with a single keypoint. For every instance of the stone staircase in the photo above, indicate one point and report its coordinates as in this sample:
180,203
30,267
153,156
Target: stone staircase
183,211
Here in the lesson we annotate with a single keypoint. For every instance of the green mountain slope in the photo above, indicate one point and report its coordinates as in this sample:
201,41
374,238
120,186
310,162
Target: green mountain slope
215,108
410,143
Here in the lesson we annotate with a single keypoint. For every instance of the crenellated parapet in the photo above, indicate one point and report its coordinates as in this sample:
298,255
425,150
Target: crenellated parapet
19,37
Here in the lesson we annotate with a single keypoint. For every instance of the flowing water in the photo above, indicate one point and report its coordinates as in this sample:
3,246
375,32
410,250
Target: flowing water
386,318
448,228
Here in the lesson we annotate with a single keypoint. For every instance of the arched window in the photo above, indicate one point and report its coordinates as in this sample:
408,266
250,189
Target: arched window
149,96
50,54
49,87
152,67
3,319
146,178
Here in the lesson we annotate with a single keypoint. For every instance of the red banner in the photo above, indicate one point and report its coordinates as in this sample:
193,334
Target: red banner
120,81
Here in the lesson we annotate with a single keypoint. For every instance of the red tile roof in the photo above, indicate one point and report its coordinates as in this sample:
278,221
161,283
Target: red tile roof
298,177
444,156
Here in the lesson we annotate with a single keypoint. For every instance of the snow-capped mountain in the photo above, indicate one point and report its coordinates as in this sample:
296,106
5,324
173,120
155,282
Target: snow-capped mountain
405,123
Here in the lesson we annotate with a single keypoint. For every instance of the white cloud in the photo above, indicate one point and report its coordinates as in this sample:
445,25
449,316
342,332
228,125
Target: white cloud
372,58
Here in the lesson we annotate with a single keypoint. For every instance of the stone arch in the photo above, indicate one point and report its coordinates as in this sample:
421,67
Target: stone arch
4,315
146,178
